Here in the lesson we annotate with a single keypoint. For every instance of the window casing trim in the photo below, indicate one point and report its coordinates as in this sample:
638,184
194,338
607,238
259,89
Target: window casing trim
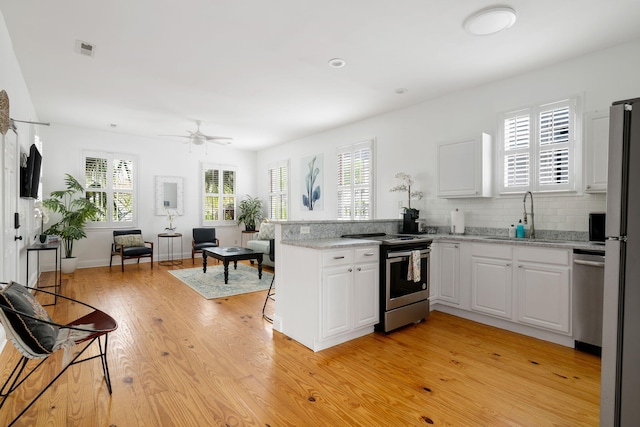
534,150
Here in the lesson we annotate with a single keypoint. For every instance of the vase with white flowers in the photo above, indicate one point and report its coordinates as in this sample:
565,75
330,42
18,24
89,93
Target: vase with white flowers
171,216
410,215
40,214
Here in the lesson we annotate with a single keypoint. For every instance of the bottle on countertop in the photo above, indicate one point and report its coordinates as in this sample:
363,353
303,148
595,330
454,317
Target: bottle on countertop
520,230
512,231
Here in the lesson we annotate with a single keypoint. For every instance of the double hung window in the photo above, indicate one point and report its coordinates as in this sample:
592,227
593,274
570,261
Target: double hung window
219,194
537,152
279,191
355,181
110,182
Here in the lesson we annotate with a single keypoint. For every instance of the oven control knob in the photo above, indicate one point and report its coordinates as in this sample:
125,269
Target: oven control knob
424,286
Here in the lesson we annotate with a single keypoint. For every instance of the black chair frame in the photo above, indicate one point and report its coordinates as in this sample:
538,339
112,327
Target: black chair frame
98,317
119,250
194,244
271,294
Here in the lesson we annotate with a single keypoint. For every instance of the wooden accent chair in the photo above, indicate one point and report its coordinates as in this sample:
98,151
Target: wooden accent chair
128,244
36,336
203,238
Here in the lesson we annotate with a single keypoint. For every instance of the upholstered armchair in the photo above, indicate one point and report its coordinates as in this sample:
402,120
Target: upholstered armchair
261,242
203,238
129,244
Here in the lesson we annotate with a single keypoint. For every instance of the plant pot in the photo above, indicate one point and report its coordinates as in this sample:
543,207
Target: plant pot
69,265
250,228
43,238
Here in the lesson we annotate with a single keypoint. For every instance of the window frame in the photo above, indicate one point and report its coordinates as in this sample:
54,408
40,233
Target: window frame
204,167
535,148
110,189
352,187
281,193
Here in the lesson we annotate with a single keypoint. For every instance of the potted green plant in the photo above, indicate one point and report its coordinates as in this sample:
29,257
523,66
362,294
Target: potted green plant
75,211
250,212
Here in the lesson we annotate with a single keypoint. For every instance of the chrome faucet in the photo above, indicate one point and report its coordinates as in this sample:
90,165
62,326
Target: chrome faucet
532,234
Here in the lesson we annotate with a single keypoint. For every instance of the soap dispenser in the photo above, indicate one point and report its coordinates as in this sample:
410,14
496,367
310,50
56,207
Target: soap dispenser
512,231
520,230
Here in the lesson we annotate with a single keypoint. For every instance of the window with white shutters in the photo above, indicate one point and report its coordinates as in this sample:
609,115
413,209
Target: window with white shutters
110,183
355,181
279,191
219,195
538,146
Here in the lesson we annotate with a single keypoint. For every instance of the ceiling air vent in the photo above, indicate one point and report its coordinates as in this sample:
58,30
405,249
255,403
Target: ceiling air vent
84,48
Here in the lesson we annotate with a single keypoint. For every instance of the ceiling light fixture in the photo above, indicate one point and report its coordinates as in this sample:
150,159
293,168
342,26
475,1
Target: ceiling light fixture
337,63
490,21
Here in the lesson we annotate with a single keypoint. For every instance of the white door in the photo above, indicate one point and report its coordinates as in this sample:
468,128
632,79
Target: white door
10,246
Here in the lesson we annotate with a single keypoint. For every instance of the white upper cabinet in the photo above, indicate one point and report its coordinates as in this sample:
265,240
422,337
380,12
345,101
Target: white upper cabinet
464,168
596,149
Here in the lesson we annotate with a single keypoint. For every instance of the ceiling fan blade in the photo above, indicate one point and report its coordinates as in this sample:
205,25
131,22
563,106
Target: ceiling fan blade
179,136
217,138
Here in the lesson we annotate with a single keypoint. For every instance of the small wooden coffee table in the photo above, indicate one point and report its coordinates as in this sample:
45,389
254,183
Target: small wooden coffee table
234,254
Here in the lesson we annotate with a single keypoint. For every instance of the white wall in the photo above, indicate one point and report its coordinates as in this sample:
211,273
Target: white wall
21,108
407,141
63,147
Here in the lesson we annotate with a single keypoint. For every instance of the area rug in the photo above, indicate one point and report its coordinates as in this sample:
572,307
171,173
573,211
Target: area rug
211,284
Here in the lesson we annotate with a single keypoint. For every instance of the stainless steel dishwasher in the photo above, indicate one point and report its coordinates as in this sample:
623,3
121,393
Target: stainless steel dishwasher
588,287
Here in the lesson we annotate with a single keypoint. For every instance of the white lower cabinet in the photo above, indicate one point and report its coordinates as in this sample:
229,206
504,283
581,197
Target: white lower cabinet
491,280
524,285
329,296
447,273
544,288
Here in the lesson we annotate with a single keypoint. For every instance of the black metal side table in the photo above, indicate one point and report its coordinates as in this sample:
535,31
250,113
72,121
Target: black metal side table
49,246
170,260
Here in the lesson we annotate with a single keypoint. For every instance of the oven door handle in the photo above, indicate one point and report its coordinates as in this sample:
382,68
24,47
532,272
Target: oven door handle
423,252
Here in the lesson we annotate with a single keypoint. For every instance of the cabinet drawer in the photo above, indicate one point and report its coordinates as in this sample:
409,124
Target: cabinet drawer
543,255
370,254
339,257
491,251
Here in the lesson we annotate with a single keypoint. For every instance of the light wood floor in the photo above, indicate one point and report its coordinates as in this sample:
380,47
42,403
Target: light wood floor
180,360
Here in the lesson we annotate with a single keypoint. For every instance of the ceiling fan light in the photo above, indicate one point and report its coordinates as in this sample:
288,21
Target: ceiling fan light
198,140
490,21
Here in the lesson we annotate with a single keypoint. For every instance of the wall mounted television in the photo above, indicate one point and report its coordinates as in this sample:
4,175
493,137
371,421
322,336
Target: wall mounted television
30,174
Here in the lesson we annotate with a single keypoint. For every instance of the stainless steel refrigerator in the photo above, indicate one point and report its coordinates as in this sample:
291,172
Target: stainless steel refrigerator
620,385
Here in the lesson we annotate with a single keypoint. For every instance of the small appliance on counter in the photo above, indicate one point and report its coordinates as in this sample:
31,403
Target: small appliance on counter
410,221
597,227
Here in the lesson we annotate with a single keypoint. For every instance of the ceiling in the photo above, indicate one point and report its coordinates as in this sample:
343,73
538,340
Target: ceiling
257,70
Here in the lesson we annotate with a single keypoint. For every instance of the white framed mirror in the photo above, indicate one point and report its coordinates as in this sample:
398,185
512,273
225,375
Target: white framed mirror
169,195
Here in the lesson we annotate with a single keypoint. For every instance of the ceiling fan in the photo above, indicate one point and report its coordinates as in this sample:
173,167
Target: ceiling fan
199,138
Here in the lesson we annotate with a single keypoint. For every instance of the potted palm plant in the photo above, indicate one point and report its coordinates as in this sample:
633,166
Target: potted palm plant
250,212
75,211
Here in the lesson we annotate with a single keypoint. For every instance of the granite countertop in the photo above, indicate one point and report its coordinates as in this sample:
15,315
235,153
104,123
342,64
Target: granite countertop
339,242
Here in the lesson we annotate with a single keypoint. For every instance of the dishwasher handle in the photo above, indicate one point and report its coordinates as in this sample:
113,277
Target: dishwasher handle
589,263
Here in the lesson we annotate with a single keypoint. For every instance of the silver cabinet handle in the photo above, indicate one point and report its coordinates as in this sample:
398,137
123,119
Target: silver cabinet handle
350,270
359,269
369,254
338,257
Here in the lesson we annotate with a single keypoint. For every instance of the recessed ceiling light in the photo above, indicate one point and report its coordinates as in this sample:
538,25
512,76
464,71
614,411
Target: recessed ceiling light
490,21
337,63
113,125
401,90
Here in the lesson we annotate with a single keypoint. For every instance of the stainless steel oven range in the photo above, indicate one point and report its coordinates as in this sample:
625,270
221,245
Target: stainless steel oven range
404,297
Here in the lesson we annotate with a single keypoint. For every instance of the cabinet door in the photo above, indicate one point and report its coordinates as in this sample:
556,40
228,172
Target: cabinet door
596,151
491,281
336,300
543,296
366,291
448,281
464,168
